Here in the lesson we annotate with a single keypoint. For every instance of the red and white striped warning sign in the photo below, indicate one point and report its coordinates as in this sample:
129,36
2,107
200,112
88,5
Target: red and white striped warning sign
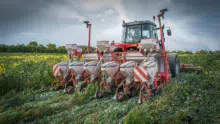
56,70
140,74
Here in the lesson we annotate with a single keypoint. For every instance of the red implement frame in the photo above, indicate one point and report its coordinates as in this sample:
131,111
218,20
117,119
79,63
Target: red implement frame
89,26
166,75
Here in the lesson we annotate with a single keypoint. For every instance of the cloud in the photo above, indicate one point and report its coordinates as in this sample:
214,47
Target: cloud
102,20
63,13
116,5
194,26
112,33
109,12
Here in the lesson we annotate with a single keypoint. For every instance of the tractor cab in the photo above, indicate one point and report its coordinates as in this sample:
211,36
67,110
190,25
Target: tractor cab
132,34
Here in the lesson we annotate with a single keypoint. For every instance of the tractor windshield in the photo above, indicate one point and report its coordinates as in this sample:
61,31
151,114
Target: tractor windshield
134,33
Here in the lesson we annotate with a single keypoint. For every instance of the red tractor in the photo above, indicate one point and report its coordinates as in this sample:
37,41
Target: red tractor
146,64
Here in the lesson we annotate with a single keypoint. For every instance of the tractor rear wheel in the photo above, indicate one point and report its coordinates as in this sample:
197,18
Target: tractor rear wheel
174,64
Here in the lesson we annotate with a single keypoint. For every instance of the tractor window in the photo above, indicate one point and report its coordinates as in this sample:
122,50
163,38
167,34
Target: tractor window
154,33
133,34
123,34
146,31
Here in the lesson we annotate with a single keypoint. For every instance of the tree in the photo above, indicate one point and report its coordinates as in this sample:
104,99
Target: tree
188,52
41,48
180,52
33,44
61,49
51,47
201,52
3,48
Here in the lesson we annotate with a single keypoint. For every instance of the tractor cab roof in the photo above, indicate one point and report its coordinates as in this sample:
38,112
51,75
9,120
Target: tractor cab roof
138,23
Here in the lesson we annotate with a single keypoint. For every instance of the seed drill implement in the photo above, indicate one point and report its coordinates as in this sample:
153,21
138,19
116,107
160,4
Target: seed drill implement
137,65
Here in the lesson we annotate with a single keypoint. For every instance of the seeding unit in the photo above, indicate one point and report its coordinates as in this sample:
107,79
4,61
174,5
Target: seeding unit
138,64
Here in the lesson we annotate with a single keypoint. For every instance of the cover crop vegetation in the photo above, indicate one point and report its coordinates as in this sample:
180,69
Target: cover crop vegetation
26,97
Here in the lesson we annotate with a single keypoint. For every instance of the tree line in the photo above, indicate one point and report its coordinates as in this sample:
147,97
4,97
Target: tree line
34,47
197,52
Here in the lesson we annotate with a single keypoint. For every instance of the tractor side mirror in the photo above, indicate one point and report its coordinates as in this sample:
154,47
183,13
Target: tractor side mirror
169,32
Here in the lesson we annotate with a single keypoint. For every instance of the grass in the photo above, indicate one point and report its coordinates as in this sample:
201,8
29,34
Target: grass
194,99
27,54
48,106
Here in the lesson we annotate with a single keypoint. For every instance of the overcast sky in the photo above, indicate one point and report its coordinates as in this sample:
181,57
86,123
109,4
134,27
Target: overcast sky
194,23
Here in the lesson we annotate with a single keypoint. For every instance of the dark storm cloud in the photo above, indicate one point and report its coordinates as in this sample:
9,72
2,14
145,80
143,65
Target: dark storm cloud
179,9
42,19
193,21
12,13
12,10
200,8
203,21
36,18
17,15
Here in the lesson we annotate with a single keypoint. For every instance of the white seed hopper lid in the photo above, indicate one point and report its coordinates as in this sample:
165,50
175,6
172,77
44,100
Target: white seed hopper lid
71,47
102,45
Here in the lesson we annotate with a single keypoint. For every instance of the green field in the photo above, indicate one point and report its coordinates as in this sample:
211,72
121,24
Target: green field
26,96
